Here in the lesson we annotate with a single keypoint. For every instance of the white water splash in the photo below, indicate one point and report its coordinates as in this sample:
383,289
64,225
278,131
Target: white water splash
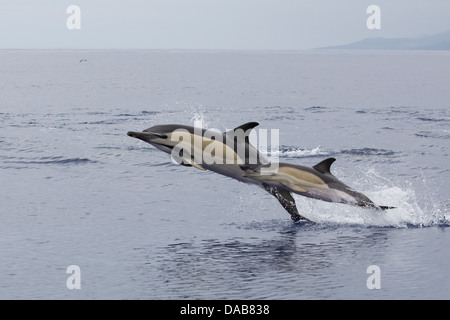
195,113
297,153
408,209
199,120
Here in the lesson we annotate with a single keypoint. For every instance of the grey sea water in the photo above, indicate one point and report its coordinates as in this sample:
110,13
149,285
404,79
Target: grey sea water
75,190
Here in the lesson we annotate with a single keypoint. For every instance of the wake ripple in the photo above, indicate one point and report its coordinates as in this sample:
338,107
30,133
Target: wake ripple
58,160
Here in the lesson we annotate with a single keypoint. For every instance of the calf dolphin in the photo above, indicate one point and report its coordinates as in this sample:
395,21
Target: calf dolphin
231,154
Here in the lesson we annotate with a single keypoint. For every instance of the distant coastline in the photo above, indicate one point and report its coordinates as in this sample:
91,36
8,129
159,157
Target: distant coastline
439,41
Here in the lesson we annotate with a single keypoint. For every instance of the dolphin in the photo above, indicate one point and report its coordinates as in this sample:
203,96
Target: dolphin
230,153
317,182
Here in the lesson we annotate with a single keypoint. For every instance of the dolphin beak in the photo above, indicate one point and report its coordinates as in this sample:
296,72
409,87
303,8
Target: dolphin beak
146,136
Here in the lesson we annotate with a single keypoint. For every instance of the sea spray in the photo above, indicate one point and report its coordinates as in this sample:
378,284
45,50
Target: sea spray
408,212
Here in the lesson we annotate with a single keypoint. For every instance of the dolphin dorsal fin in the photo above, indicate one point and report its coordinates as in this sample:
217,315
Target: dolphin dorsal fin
324,166
246,128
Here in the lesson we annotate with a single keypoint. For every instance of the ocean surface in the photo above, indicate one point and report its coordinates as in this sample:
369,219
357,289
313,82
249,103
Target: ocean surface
76,190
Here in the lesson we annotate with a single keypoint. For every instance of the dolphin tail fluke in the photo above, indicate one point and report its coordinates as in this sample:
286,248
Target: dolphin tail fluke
287,201
386,207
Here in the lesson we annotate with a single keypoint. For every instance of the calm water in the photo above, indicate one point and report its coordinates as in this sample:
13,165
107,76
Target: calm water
75,190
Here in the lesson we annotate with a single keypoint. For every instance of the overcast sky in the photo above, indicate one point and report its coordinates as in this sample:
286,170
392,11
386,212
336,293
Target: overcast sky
213,24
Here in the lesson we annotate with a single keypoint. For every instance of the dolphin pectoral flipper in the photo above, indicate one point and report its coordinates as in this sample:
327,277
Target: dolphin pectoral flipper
286,200
195,165
198,166
189,162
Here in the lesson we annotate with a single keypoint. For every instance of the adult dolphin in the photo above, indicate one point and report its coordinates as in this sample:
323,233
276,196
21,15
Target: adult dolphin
231,154
317,182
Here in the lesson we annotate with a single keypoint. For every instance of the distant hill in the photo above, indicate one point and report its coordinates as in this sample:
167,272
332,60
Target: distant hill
439,41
